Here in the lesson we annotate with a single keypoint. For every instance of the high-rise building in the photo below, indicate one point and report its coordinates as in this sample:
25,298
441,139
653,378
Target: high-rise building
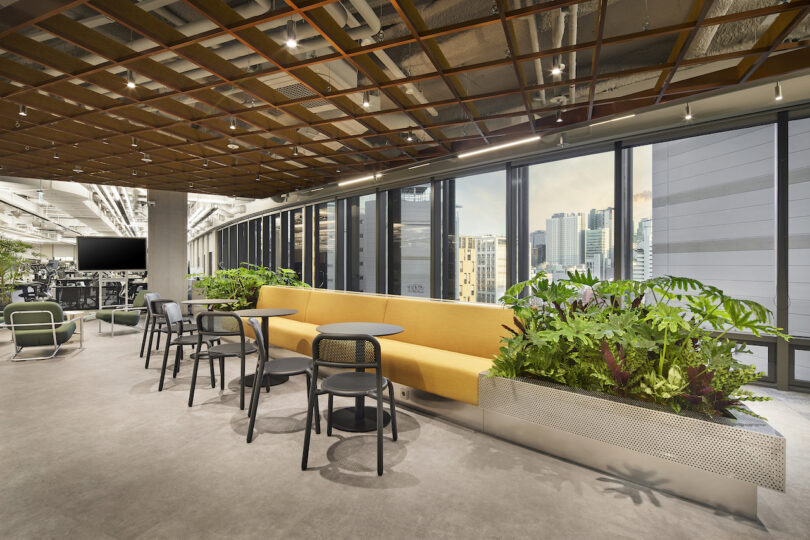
415,240
467,268
538,247
642,251
564,247
597,246
491,268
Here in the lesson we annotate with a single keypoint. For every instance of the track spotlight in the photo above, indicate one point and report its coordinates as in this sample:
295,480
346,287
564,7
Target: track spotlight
559,116
134,143
292,41
688,114
130,80
55,155
366,102
78,169
134,172
205,163
409,137
558,67
295,150
233,123
23,110
777,92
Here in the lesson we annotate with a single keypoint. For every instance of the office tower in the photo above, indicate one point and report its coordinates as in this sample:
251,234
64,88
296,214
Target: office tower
538,248
563,242
491,268
597,245
467,268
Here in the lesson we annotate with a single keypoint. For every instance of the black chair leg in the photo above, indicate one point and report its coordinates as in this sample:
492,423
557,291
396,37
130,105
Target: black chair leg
308,431
178,355
257,382
160,326
149,349
145,331
329,416
254,401
317,412
222,373
379,433
163,369
213,377
393,410
266,383
194,376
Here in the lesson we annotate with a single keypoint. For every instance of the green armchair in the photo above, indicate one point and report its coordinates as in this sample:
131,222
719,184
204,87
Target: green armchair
37,324
130,316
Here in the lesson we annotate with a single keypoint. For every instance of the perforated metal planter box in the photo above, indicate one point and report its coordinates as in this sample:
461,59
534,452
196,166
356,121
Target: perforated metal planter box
719,461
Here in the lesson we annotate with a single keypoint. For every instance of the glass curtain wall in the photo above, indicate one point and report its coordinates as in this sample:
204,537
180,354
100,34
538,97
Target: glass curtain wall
296,242
713,211
233,256
799,245
571,216
409,240
479,249
325,245
361,243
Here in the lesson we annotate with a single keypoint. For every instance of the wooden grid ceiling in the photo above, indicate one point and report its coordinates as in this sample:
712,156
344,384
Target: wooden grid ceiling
221,105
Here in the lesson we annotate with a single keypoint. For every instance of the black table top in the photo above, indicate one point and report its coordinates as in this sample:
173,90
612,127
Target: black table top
266,312
208,301
369,329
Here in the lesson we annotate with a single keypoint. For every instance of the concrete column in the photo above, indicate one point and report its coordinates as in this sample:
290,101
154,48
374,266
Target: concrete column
168,228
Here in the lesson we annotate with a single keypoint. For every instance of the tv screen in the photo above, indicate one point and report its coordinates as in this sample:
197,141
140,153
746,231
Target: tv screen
97,253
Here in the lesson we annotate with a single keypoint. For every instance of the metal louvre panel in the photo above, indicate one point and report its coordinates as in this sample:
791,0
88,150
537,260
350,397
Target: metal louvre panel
747,449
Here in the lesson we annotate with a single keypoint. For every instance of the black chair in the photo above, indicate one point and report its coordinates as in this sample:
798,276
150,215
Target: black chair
288,366
213,325
174,327
159,326
335,350
150,297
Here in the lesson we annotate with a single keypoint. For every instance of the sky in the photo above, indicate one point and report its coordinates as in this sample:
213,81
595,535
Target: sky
571,185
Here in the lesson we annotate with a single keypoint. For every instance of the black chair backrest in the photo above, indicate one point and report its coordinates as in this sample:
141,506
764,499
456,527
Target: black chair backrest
149,298
220,323
347,351
157,307
257,331
173,314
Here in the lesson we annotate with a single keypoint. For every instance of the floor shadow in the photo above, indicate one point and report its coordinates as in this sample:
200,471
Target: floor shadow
279,422
645,484
353,462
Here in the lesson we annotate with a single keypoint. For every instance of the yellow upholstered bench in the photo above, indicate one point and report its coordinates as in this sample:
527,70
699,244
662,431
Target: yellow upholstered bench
444,347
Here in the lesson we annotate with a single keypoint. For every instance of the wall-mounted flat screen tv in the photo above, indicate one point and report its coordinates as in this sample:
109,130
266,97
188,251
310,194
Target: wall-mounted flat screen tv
96,253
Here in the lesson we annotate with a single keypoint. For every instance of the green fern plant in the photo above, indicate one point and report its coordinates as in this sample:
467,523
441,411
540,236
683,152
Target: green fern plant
661,340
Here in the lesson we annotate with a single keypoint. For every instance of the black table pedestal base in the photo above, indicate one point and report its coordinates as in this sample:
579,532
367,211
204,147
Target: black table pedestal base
346,419
274,379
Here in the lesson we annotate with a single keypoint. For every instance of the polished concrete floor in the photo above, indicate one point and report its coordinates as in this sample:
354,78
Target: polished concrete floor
90,449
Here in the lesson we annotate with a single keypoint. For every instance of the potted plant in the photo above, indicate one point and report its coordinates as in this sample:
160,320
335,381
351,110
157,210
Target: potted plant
11,261
640,380
243,284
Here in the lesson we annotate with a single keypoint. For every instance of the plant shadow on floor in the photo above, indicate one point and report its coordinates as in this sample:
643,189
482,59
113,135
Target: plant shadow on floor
645,484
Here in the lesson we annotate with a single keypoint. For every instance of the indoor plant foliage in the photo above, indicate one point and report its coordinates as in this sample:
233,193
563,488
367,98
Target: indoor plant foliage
11,264
243,284
660,340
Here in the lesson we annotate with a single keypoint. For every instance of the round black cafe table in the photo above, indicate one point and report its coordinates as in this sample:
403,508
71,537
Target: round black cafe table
359,418
264,314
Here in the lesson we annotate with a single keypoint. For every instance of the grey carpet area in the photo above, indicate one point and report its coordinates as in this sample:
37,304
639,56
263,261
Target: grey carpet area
90,449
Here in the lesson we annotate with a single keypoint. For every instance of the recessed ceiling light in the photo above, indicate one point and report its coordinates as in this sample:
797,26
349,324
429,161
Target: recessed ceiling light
233,146
777,92
688,114
23,110
292,41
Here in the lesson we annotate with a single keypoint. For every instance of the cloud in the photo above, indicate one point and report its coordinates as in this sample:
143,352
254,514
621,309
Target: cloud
642,196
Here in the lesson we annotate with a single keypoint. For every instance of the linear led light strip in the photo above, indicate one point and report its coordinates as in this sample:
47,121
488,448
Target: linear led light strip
613,120
499,146
357,180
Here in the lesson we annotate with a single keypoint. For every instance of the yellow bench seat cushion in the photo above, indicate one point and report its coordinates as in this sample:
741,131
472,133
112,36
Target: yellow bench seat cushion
445,373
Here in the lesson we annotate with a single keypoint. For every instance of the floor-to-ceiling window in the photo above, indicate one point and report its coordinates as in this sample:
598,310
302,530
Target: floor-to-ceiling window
325,236
361,243
799,245
409,240
479,247
642,245
571,216
296,241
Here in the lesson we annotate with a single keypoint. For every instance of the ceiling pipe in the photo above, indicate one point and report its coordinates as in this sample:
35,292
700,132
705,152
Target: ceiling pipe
573,12
557,31
534,38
